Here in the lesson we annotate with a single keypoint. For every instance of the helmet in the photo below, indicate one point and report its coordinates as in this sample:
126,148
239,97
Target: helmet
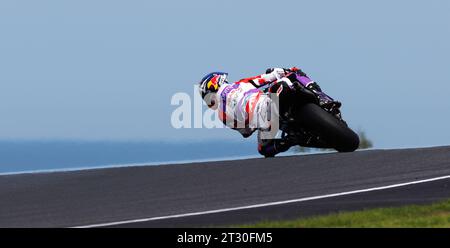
211,82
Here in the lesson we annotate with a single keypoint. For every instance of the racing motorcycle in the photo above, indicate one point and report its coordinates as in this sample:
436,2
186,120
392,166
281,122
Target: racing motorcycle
315,120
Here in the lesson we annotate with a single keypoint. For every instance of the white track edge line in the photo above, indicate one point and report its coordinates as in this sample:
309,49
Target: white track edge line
264,204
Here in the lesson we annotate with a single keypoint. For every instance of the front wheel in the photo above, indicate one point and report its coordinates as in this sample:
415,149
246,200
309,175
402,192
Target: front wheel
335,132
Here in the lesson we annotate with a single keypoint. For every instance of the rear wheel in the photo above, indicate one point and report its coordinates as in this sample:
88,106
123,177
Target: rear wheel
328,127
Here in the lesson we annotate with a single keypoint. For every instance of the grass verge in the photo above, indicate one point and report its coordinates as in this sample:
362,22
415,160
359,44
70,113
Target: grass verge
433,215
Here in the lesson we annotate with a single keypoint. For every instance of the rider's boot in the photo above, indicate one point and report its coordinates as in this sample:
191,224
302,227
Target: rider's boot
324,100
270,148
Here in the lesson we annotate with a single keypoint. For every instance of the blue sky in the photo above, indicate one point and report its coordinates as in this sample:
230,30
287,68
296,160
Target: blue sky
106,70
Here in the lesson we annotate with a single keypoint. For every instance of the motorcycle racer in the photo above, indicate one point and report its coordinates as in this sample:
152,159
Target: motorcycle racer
244,106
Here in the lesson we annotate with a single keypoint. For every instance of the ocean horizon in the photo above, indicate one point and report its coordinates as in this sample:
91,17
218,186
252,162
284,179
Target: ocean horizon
47,155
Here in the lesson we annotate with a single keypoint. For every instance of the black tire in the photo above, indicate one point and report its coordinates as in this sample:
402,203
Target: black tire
328,127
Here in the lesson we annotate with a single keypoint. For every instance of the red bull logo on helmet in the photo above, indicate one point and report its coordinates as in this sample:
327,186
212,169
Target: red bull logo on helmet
213,83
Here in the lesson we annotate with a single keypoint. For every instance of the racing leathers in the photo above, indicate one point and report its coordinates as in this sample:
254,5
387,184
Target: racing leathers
243,106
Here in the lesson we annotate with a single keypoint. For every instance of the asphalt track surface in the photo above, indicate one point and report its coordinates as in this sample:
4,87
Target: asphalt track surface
225,192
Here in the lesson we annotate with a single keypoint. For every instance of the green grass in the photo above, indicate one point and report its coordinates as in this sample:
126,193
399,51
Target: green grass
433,215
